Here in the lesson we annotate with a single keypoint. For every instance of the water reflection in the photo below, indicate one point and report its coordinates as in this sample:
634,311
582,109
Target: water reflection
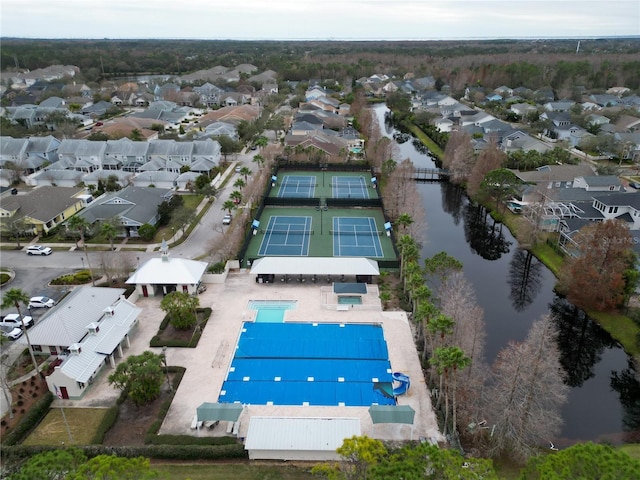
525,279
628,388
453,199
420,147
580,340
400,137
483,233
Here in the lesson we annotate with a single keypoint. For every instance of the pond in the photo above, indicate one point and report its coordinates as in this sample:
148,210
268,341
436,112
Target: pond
514,289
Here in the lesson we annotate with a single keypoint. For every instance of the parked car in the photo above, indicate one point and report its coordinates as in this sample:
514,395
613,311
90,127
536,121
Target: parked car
13,320
226,220
11,333
41,302
39,250
635,185
238,169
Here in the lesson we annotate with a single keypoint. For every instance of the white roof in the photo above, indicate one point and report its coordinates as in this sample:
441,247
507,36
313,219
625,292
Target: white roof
324,434
315,266
66,323
94,348
170,271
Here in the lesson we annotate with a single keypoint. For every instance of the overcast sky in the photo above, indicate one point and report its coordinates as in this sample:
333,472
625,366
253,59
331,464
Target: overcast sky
319,19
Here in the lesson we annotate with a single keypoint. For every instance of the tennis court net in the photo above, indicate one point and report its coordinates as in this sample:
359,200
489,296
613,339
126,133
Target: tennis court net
362,233
286,232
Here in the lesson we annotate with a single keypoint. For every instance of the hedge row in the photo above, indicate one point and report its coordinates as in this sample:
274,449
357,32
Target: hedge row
161,452
31,420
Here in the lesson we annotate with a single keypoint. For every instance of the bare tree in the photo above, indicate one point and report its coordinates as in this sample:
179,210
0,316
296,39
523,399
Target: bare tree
490,159
459,157
527,393
458,300
401,196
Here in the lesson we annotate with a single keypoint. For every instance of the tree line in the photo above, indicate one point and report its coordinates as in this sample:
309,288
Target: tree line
601,63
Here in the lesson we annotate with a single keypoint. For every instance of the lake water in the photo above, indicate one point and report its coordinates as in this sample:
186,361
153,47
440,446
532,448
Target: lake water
514,290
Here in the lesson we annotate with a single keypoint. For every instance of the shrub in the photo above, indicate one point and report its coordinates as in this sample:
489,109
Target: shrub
217,267
105,425
147,232
31,419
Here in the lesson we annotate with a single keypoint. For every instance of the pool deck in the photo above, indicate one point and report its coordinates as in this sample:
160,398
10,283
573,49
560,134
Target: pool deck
207,365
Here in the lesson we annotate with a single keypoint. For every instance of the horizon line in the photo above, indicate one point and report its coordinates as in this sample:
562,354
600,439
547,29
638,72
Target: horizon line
343,39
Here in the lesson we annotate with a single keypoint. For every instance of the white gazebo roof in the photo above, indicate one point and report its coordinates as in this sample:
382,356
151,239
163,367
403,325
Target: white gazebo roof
315,266
168,271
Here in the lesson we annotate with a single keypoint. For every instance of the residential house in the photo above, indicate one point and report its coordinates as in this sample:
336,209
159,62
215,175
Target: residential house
43,208
522,109
209,94
605,100
133,206
168,91
520,141
630,145
598,183
217,129
559,106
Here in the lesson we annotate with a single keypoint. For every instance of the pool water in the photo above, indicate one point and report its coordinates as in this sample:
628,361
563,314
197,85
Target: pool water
271,311
270,315
350,300
272,304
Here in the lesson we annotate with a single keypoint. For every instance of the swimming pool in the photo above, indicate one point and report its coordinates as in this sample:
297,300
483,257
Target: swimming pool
270,315
271,311
309,364
272,304
349,300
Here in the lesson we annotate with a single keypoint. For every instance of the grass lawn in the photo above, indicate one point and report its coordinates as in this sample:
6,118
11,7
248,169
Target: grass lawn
235,471
549,257
83,423
424,138
632,449
621,327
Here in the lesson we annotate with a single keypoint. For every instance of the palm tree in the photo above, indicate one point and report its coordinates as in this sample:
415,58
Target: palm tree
245,172
404,220
261,141
457,360
259,159
239,183
80,224
228,205
408,251
13,298
109,229
236,196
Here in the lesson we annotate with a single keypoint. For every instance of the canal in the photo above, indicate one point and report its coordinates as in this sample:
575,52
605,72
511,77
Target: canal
514,289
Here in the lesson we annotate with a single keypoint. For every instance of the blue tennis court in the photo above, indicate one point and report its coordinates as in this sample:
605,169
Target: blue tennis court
309,364
296,186
286,236
349,187
356,237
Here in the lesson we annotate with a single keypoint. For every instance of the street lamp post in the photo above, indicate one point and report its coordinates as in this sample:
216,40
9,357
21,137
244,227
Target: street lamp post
82,258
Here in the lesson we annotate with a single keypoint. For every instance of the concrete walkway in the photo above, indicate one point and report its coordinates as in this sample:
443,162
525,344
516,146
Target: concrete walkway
207,364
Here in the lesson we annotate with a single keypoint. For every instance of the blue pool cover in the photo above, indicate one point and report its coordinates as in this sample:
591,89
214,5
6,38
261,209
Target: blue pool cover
309,364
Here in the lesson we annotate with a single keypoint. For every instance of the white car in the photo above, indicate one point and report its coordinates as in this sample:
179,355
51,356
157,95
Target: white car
226,220
39,250
11,333
41,302
13,320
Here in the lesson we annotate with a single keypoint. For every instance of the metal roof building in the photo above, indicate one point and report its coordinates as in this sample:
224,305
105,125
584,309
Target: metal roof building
304,439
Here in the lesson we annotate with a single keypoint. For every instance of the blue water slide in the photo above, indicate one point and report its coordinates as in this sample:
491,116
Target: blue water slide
404,382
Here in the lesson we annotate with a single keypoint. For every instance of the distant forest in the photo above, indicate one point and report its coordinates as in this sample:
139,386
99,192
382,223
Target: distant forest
599,63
